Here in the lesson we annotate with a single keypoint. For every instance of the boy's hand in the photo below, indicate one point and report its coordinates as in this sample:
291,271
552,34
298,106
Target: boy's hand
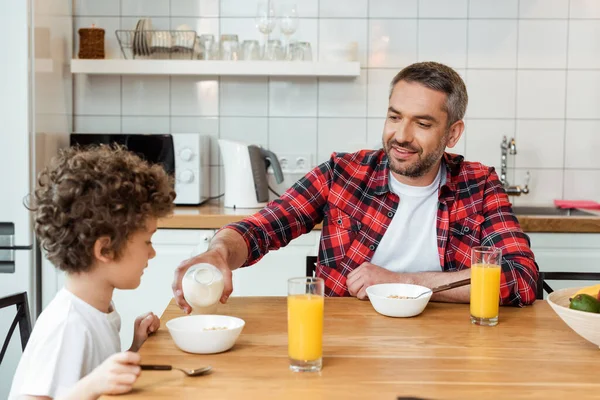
143,326
115,375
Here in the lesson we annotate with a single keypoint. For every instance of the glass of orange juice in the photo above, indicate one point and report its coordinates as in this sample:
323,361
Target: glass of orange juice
485,285
305,323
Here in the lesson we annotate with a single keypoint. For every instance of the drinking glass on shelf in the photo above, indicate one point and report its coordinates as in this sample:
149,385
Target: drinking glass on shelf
229,47
273,51
265,19
250,50
288,24
207,47
300,51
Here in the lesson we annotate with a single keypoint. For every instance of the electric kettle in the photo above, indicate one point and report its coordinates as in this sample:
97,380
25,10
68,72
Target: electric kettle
246,182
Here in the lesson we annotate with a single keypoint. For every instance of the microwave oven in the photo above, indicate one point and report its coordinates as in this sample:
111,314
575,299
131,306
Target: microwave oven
185,156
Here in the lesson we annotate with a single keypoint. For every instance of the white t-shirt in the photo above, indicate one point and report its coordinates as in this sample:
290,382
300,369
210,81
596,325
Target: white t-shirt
69,340
410,242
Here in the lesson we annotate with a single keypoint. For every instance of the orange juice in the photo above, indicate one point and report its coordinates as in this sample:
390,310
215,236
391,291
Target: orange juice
485,290
305,327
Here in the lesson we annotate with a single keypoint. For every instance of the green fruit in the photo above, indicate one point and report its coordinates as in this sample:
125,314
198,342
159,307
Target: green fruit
585,302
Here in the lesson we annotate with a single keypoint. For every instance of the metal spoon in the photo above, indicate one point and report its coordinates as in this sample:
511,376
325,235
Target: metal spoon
448,286
188,372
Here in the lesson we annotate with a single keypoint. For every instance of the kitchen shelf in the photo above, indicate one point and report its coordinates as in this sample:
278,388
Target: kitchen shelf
215,68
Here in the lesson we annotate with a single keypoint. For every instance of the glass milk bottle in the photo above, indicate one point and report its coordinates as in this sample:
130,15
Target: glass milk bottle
202,288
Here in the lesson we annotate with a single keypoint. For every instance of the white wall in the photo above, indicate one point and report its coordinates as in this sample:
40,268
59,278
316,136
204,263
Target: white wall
532,68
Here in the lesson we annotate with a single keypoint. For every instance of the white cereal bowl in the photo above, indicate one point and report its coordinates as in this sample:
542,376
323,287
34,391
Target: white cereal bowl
196,333
378,295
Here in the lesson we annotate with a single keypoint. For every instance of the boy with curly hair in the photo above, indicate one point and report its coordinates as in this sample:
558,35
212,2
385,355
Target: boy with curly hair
95,213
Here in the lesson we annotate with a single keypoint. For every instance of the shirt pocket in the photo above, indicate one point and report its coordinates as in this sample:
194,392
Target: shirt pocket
338,233
464,235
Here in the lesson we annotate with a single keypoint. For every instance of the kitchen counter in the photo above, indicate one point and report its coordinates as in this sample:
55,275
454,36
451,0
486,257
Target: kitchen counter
213,215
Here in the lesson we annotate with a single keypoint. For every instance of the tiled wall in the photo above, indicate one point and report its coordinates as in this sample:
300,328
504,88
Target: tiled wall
532,69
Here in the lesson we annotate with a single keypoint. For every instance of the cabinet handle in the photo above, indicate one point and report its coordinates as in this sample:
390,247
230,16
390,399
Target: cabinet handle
205,238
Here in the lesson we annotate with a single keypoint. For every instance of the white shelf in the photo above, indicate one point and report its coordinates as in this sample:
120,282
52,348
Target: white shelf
215,68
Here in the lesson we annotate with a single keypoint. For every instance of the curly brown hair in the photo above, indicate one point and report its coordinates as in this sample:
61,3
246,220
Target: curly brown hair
85,194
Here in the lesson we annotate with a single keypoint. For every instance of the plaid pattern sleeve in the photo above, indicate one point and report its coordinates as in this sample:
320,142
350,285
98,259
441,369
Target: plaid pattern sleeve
501,229
296,212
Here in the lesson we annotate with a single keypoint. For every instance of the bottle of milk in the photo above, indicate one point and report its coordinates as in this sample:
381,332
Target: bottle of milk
202,288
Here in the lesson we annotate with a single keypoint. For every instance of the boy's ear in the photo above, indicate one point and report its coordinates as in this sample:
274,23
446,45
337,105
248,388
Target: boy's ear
102,251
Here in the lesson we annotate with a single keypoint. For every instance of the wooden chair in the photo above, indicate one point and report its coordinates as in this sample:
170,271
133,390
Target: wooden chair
22,318
542,285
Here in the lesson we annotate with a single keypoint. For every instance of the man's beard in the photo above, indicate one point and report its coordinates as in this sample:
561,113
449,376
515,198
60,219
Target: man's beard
423,163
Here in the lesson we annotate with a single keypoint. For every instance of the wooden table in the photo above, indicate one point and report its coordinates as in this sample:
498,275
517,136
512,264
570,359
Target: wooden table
531,354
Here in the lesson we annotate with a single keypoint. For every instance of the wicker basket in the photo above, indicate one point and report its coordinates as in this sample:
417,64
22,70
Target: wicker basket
91,43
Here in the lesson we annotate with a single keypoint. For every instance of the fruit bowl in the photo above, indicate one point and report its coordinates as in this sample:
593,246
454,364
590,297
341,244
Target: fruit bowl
585,324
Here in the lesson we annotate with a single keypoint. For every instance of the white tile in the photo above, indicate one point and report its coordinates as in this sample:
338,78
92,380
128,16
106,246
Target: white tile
245,8
483,139
578,184
245,28
195,8
444,41
343,98
244,96
200,25
374,133
544,8
99,124
145,124
84,8
293,136
582,144
541,94
146,95
493,9
308,31
583,96
543,44
392,42
341,135
203,125
443,8
337,36
295,97
492,43
215,189
584,44
540,144
393,8
158,23
109,24
379,91
145,8
245,130
545,185
343,9
585,9
193,96
491,94
97,95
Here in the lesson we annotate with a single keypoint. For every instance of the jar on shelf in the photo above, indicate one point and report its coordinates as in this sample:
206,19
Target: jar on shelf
91,43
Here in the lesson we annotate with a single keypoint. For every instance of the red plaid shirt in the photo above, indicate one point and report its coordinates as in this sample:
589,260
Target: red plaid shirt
350,195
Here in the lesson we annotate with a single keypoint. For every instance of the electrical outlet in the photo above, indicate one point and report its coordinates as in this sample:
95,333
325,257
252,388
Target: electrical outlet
297,163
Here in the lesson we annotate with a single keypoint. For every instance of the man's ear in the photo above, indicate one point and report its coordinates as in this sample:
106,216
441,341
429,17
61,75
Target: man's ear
455,132
102,251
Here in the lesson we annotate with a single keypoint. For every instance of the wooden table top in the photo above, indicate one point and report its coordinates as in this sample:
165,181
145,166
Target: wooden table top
531,354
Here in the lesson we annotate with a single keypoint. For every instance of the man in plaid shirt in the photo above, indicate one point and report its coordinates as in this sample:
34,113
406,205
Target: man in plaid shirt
407,213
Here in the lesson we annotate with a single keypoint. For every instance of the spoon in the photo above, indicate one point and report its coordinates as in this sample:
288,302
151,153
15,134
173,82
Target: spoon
188,372
448,286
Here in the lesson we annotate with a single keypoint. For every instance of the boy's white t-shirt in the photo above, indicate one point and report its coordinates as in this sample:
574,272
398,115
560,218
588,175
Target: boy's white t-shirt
69,340
410,242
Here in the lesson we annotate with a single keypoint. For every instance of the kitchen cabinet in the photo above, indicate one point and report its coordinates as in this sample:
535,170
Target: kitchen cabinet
567,252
